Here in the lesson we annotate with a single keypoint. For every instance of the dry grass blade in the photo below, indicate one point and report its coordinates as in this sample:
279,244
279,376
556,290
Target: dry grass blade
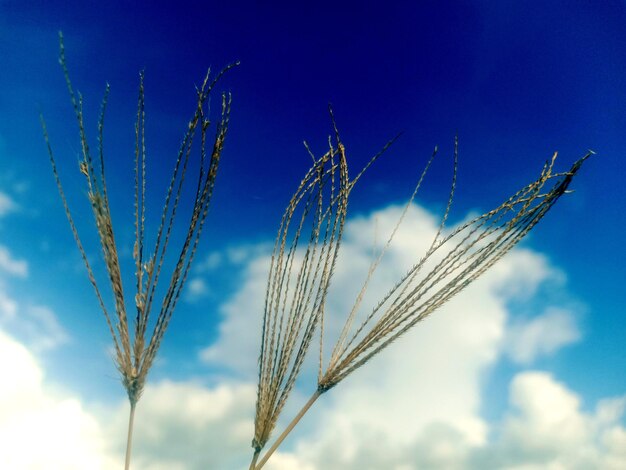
135,353
454,259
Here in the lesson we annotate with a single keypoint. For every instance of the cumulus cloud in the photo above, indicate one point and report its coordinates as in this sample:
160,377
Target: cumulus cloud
546,428
481,313
237,346
417,405
182,425
185,425
42,428
547,408
191,426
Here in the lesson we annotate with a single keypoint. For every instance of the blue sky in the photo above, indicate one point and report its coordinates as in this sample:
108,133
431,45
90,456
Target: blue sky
515,81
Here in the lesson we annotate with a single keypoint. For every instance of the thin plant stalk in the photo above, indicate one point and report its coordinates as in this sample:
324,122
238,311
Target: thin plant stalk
134,349
288,429
129,439
457,257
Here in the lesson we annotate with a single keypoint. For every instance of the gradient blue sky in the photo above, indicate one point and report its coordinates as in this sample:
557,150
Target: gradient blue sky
515,81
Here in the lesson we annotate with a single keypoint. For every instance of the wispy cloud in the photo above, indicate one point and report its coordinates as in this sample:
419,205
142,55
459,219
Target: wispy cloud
545,334
232,256
211,262
42,328
196,289
8,306
7,204
36,325
10,265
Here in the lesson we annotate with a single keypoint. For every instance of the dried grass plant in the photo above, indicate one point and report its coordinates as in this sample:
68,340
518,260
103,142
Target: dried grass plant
135,351
300,278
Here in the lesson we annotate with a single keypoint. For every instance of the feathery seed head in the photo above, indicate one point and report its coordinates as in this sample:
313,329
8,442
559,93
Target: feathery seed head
299,278
133,358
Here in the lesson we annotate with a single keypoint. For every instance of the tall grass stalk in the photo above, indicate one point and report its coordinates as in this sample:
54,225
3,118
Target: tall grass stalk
134,350
300,278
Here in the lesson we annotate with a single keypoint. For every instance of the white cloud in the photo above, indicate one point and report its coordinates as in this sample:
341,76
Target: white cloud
483,312
182,425
237,346
8,307
425,391
42,328
37,325
547,429
547,408
544,428
10,265
189,426
7,204
522,279
542,335
418,405
40,428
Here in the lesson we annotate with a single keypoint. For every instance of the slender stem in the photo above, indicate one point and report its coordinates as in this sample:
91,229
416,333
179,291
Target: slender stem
129,441
255,457
288,429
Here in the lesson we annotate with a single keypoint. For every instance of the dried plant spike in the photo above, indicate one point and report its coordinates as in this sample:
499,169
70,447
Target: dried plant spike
457,258
135,353
298,283
475,246
299,280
